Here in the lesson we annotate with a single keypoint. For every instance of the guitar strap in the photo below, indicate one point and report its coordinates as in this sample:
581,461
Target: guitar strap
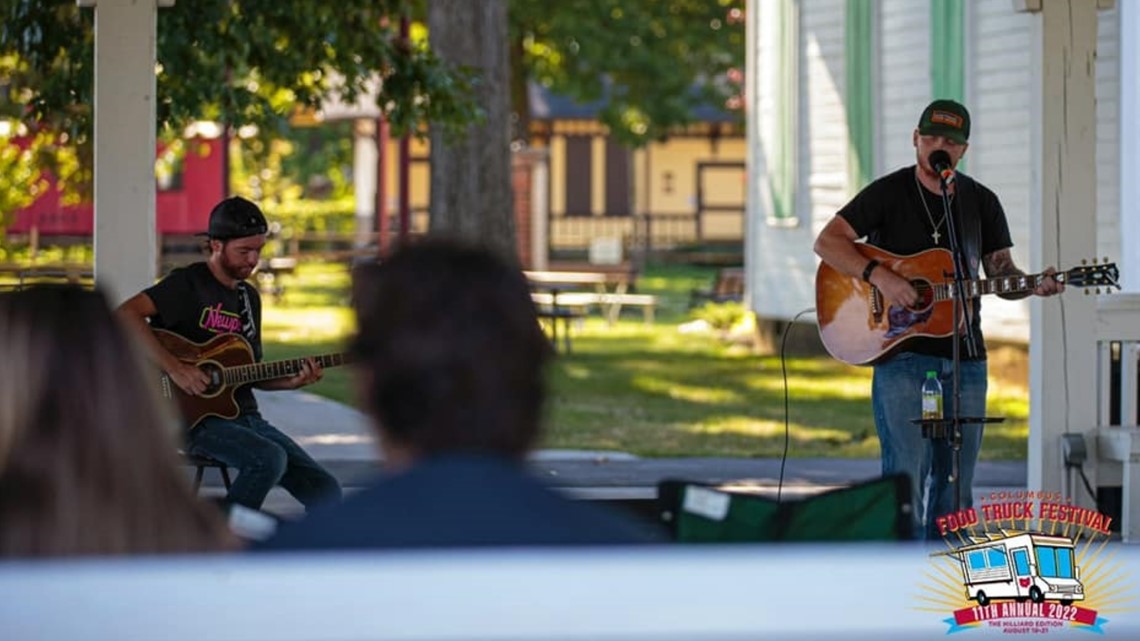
248,326
971,222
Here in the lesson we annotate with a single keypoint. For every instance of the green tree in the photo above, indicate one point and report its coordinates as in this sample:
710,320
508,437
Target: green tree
242,62
20,179
652,61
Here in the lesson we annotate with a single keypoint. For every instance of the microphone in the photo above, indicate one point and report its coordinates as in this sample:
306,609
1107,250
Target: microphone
940,161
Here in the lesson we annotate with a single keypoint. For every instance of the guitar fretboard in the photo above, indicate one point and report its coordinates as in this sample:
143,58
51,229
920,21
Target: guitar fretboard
257,372
1001,285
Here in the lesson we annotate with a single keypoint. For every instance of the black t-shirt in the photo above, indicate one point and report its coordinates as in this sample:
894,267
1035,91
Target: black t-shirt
890,214
192,303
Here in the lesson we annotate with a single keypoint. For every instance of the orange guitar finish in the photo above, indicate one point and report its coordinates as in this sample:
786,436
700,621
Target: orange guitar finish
858,327
853,320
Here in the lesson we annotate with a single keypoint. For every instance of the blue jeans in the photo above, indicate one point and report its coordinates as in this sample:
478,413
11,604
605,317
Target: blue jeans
264,457
896,396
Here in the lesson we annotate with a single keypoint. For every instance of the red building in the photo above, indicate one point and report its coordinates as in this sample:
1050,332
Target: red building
183,208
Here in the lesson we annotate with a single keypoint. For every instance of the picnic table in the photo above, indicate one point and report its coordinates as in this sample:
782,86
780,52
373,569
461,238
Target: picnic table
607,289
565,295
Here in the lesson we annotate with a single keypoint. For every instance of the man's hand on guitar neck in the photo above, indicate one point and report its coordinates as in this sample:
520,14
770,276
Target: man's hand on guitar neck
1000,263
310,373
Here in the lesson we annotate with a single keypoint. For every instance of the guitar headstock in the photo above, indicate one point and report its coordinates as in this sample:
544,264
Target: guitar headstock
1094,275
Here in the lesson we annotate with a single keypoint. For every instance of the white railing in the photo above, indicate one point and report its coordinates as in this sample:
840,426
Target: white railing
1118,388
877,592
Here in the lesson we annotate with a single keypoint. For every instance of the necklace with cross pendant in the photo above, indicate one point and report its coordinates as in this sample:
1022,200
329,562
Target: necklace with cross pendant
922,198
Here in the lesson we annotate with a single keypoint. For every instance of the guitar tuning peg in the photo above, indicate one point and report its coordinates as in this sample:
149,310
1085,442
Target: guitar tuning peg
1084,261
1086,291
1098,291
1105,260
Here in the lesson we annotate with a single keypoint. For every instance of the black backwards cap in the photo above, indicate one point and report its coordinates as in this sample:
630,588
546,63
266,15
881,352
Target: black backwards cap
236,217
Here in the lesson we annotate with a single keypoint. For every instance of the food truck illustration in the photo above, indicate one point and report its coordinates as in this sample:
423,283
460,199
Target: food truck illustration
1037,567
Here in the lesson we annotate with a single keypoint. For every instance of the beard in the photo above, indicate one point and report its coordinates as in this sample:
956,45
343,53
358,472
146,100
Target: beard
235,270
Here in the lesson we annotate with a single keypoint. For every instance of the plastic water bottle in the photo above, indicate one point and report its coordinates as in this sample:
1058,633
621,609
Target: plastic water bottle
931,397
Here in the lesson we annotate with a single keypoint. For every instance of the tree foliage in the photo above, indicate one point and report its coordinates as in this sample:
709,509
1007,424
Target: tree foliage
238,61
652,61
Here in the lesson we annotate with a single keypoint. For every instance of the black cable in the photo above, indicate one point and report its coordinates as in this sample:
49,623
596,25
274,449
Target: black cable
1088,486
787,423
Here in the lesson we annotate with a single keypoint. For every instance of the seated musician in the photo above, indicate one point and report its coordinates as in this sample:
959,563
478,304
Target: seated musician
210,298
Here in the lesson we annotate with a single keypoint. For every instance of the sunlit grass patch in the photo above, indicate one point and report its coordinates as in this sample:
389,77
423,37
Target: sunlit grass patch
651,390
309,324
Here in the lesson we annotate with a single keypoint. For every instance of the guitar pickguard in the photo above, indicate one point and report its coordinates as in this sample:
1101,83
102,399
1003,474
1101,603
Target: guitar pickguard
901,319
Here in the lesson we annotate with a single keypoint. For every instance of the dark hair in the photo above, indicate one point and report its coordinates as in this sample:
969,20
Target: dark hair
88,461
455,358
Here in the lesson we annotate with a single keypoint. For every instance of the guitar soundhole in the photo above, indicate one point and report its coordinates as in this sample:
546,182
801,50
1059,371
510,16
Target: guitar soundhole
217,382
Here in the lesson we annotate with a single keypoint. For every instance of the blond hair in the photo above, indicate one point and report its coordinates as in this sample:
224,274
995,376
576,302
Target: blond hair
88,461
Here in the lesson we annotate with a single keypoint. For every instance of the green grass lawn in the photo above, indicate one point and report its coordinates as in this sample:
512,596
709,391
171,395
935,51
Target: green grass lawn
651,390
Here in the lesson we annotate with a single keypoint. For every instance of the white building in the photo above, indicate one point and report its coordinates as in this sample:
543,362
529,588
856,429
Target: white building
821,94
835,90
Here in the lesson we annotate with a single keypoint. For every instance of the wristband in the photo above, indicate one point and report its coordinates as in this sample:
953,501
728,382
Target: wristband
868,269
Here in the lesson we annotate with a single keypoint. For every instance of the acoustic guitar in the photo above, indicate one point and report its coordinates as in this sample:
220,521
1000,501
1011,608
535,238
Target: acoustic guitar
857,326
228,360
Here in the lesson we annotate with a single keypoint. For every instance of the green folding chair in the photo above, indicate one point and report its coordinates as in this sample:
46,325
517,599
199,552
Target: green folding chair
875,510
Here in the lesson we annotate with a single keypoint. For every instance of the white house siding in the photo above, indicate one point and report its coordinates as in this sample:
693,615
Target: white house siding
999,87
823,168
1108,134
761,257
1000,60
781,262
904,89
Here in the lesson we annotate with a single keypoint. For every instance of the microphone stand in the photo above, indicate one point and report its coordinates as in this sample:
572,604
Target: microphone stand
961,273
938,428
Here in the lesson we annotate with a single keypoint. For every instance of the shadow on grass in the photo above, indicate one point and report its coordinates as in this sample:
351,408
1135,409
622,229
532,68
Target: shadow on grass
655,392
652,391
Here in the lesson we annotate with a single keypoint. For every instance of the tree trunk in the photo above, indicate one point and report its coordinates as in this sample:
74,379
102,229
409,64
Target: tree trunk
471,178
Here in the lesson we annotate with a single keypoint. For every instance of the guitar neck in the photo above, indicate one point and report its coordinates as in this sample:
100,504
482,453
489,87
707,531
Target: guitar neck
257,372
1003,285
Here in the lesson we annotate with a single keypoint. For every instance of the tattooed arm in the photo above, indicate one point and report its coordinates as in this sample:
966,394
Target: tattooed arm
1000,263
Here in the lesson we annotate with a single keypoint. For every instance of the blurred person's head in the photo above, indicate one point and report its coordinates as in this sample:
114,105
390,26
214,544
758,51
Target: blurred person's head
88,460
450,352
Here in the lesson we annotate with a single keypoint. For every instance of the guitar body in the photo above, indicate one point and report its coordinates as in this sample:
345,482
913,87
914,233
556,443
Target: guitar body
857,326
854,323
222,351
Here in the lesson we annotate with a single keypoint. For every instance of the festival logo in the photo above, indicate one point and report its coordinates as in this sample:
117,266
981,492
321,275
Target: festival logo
1025,563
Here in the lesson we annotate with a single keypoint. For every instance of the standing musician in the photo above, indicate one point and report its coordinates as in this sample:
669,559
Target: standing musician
903,213
212,297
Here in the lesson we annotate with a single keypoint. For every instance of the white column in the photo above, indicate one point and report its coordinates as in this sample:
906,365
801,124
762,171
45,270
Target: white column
1062,347
365,157
540,211
1129,146
125,241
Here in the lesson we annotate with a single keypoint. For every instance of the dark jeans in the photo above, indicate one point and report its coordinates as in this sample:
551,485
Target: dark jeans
264,457
896,394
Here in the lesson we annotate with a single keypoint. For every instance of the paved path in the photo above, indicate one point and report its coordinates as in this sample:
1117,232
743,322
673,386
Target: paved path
340,438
